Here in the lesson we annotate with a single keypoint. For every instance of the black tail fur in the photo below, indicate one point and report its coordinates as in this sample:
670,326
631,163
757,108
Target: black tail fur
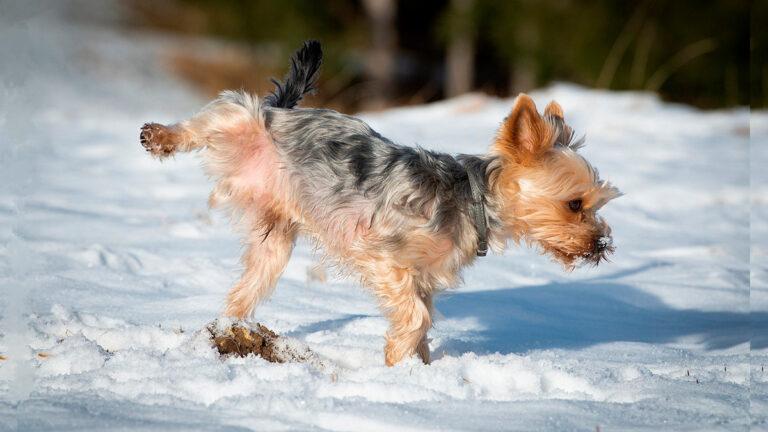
301,78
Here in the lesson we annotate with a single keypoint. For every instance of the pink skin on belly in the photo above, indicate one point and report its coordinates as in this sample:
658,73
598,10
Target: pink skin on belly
248,161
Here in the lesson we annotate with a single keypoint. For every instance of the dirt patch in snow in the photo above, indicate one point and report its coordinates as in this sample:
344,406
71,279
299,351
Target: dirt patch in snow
241,339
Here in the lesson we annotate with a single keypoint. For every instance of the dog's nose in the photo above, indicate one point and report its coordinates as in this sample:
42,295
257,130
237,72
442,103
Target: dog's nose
603,243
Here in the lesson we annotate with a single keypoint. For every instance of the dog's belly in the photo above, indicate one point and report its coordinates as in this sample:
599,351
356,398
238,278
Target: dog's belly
377,246
338,229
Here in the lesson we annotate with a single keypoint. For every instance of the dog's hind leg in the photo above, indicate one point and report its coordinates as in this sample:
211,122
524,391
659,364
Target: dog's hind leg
226,113
268,251
160,140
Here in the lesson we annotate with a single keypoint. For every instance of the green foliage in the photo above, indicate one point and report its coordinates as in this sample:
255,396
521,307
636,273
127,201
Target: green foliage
287,23
758,51
694,52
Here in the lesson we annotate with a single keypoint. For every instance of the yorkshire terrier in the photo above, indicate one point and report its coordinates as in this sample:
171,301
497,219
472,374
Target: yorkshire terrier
407,220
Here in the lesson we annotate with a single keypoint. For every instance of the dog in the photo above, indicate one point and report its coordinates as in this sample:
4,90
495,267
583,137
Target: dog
405,219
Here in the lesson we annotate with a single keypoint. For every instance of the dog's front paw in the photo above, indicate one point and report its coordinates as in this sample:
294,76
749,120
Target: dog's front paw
157,139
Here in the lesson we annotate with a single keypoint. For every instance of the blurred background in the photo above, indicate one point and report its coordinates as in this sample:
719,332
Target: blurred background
382,53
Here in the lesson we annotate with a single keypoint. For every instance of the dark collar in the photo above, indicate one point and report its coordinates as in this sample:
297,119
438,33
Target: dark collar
477,211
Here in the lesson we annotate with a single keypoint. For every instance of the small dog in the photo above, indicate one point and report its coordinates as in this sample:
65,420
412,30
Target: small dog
407,220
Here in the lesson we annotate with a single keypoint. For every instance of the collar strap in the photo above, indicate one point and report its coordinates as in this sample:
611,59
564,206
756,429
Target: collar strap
477,211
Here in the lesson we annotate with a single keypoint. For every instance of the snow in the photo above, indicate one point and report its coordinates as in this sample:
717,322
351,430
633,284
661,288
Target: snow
759,267
111,266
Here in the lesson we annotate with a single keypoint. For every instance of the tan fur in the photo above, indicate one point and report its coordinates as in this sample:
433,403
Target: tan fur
553,108
530,192
524,136
538,178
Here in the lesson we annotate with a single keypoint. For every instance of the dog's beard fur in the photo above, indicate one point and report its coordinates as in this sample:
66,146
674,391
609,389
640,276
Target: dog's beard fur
397,216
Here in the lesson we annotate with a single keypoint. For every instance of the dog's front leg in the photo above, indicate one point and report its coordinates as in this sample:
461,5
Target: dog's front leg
409,309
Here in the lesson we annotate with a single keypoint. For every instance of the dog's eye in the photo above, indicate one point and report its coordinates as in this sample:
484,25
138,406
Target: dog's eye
574,205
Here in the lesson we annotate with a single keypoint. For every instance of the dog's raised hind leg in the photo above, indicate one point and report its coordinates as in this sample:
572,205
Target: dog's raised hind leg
160,140
208,127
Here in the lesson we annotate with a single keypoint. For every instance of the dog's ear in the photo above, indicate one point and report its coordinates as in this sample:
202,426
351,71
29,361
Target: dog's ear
524,135
553,109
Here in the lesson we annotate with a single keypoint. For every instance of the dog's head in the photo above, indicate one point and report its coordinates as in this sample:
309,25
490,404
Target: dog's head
549,193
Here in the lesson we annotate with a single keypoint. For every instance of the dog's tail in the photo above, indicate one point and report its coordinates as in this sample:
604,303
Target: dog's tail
301,78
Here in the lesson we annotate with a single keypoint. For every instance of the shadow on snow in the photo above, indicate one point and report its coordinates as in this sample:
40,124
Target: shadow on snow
580,314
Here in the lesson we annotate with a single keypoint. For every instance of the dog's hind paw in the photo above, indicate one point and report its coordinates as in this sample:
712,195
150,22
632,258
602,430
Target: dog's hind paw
157,139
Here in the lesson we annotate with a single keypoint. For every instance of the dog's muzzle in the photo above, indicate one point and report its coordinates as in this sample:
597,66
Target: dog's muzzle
601,248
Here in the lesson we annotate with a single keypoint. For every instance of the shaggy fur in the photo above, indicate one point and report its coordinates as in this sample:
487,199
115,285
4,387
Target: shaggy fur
398,216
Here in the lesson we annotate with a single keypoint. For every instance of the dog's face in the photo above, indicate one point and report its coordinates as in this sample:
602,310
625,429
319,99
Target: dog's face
550,193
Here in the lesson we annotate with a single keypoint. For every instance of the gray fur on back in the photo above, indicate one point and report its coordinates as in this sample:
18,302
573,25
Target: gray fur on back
343,162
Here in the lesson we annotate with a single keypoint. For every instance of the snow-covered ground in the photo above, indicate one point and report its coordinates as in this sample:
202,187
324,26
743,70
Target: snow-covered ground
759,267
111,264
